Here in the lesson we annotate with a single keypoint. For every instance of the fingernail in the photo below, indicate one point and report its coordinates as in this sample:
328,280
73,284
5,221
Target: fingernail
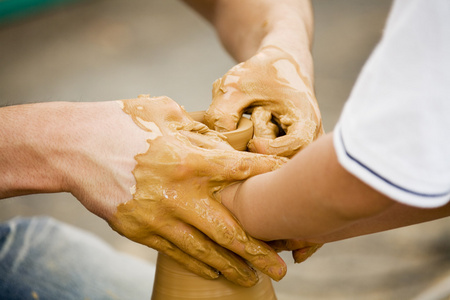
277,273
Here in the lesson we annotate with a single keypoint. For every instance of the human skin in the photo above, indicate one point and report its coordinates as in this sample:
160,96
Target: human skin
317,201
145,167
314,199
274,80
89,174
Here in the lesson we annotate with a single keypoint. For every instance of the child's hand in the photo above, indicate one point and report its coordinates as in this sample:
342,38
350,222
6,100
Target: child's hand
301,250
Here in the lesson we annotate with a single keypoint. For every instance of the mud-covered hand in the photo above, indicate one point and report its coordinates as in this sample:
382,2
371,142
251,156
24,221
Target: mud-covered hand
271,87
167,201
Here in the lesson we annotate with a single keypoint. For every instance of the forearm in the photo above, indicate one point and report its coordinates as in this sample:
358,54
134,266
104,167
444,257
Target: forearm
396,216
246,26
29,147
48,147
313,198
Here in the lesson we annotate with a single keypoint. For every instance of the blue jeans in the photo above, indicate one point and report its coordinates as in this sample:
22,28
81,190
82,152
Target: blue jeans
41,258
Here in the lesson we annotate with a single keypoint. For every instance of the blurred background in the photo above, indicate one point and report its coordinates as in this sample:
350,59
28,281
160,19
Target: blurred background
97,50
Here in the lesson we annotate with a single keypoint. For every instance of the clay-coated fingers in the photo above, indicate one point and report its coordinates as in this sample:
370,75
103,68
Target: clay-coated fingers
228,104
298,135
226,166
222,119
286,145
214,220
206,141
263,127
195,266
197,245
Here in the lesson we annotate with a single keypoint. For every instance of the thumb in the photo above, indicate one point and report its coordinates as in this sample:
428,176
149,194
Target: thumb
221,120
300,255
225,110
263,126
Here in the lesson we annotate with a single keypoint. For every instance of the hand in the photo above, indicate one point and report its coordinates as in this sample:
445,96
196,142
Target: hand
160,192
301,250
271,87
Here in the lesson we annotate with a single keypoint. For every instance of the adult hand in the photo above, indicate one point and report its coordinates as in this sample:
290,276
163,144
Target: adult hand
270,86
155,182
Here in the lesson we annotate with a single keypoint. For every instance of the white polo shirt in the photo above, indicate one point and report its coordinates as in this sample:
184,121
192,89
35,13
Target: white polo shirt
394,131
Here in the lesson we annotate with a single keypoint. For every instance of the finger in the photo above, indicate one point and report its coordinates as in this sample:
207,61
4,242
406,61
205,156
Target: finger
214,220
227,106
286,146
300,255
289,245
195,266
222,119
262,123
206,141
298,135
234,165
301,250
202,248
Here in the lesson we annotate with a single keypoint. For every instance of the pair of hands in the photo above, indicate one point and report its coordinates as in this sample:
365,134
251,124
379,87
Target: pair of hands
169,199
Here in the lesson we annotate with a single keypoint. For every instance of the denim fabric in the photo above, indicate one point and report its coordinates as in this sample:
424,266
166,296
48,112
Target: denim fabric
41,258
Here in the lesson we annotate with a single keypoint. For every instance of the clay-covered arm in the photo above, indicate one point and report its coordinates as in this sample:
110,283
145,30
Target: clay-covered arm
312,198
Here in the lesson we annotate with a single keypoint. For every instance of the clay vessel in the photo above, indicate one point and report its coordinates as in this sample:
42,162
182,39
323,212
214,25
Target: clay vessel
174,282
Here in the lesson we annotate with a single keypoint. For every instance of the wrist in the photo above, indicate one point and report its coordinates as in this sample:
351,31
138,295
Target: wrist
31,149
99,158
300,51
247,26
245,200
292,32
96,153
228,197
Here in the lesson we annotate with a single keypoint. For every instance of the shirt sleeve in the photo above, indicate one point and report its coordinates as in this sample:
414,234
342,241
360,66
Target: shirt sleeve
394,131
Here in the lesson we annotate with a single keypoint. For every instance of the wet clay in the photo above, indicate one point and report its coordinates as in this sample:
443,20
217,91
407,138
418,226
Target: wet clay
273,89
238,138
173,282
168,192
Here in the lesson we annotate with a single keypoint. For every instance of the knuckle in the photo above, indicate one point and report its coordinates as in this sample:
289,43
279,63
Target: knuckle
160,244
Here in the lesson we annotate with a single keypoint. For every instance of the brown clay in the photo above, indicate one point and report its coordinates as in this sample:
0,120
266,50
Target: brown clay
238,138
174,282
